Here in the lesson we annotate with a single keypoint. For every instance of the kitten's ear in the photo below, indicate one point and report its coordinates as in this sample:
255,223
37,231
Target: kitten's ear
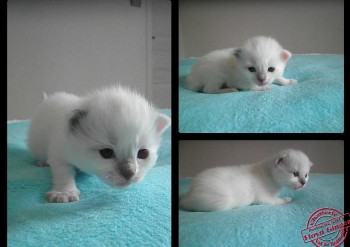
75,118
237,53
311,164
162,122
285,55
279,160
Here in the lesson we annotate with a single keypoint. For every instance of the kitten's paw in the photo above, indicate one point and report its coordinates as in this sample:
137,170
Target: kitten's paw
292,81
287,199
280,201
231,90
63,197
262,88
224,90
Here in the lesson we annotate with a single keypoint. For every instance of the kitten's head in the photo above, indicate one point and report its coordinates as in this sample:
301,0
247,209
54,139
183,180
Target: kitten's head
115,134
262,60
291,169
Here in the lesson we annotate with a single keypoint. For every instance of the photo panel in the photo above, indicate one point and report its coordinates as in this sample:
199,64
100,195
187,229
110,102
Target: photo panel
241,192
253,67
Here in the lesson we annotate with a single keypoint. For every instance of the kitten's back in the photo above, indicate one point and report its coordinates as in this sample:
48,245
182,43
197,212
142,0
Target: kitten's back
50,113
219,188
211,68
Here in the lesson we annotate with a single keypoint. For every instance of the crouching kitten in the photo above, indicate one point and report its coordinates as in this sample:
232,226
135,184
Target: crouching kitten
254,66
224,188
113,133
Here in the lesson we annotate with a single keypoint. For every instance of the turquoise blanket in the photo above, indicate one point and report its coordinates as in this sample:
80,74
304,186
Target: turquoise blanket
262,225
314,105
137,216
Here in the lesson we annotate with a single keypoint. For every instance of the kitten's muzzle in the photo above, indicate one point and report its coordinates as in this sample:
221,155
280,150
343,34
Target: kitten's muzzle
301,184
127,169
262,79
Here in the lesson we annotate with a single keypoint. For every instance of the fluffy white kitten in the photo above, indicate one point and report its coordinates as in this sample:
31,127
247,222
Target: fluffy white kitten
258,63
113,133
224,188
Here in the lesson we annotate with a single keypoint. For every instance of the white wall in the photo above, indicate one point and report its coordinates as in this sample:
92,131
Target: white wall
74,46
195,156
300,26
161,48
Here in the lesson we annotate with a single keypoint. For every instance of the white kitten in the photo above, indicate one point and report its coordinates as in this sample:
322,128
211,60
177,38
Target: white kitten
113,133
254,66
224,188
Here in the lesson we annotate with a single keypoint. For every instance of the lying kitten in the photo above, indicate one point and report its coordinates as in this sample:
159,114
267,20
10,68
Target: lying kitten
113,133
254,66
224,188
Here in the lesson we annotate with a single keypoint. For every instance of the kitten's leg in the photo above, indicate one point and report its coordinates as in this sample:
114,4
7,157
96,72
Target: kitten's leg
223,90
215,88
275,200
261,88
283,82
64,188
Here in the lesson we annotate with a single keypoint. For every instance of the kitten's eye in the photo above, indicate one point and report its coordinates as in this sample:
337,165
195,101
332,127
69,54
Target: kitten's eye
271,69
107,153
296,174
251,69
306,175
142,154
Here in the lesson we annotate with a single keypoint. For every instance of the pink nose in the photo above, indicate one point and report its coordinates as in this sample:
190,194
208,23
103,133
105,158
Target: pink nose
261,80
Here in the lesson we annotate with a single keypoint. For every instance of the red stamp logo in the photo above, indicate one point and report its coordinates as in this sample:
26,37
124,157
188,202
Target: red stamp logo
326,227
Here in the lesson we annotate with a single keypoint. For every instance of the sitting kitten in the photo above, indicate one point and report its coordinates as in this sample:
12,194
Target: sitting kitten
224,188
254,66
113,133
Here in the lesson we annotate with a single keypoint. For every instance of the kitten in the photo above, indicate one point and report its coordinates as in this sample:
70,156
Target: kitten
225,188
258,63
113,133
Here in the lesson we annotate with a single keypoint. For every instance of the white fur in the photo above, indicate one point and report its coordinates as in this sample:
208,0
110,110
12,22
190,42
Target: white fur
115,118
224,188
226,70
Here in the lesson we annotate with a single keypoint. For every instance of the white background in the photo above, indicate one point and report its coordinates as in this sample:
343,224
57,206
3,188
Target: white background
300,26
76,46
195,156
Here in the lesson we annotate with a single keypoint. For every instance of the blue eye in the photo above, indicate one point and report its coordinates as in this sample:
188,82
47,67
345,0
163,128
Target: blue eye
296,174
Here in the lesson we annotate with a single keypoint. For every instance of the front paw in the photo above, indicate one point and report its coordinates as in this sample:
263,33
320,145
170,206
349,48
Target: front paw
287,199
262,88
232,90
280,201
63,197
292,81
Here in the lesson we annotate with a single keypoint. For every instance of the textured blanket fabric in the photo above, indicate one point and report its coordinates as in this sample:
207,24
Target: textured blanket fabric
136,216
261,225
314,105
